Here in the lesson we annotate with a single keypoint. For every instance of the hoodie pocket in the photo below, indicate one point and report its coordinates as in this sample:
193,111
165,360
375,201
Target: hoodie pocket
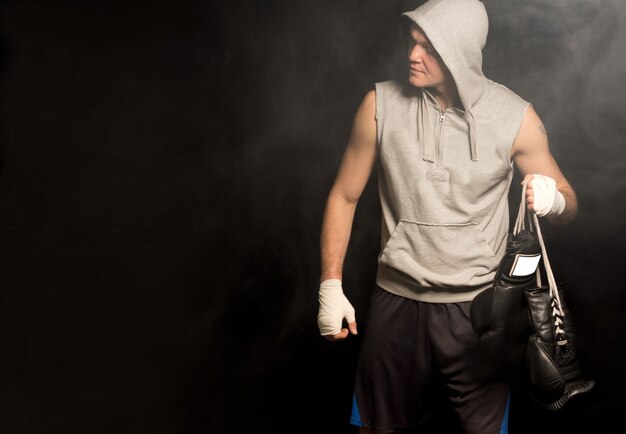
440,255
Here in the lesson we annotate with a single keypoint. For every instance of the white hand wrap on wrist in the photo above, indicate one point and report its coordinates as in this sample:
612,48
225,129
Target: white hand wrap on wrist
548,200
334,307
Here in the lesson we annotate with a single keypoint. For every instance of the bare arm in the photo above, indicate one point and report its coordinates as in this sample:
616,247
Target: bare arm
532,155
354,172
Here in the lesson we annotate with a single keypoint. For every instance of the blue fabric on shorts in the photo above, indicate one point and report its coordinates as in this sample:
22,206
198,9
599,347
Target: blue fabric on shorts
355,417
504,429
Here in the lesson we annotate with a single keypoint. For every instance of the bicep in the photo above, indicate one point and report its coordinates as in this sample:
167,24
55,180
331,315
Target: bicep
531,151
360,154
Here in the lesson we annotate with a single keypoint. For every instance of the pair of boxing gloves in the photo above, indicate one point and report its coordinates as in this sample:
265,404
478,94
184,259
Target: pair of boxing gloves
334,307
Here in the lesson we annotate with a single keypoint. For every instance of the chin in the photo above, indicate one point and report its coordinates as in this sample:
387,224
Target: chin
416,82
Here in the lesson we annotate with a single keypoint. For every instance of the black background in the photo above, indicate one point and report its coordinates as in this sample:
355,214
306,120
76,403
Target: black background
164,171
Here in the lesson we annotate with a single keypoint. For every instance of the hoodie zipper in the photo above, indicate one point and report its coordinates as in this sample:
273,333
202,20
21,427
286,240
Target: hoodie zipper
439,139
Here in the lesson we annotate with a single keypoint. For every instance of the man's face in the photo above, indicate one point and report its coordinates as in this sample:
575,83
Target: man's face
426,69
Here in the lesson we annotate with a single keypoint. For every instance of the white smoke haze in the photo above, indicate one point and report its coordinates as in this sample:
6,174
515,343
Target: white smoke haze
568,58
315,61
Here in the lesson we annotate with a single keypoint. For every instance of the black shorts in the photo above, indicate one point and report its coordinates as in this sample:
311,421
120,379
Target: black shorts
413,352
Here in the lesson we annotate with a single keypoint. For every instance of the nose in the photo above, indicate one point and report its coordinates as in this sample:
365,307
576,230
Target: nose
416,54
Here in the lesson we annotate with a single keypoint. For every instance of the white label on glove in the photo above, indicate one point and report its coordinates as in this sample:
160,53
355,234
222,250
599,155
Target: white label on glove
524,265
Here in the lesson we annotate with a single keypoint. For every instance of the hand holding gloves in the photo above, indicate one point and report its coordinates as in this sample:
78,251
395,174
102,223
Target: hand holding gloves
547,200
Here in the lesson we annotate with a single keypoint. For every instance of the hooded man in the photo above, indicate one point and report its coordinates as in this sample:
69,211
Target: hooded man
444,142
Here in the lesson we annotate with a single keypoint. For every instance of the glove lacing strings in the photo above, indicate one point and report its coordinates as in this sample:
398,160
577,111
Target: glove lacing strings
557,311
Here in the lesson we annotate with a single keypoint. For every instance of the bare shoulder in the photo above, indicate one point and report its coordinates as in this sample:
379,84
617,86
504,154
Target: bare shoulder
360,154
532,135
532,121
364,127
368,105
532,153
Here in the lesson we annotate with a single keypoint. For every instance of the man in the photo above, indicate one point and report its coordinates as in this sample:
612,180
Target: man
445,143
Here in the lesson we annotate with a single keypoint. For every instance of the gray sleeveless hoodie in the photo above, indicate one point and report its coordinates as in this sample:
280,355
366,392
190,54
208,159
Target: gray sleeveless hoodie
444,177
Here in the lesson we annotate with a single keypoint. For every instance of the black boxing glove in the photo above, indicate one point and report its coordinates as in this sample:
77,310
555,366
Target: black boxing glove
551,354
499,313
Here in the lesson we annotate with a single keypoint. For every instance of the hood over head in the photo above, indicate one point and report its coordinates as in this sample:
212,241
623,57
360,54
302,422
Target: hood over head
457,29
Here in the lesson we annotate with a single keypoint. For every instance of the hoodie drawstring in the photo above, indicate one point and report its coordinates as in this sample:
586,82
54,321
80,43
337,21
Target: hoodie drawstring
472,134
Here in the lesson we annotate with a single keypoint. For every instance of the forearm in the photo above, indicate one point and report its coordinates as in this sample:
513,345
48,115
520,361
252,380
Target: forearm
571,208
336,230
